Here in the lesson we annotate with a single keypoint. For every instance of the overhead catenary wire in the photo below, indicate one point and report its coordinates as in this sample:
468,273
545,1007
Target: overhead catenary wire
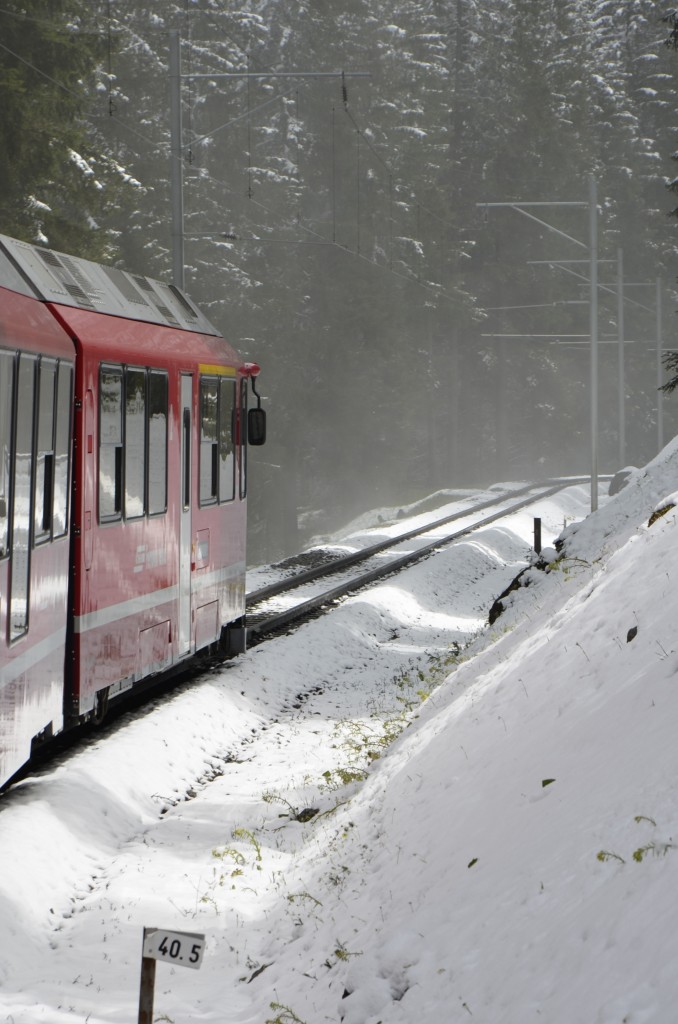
412,202
360,132
611,289
377,155
235,120
361,138
92,116
431,288
43,74
26,17
437,291
319,240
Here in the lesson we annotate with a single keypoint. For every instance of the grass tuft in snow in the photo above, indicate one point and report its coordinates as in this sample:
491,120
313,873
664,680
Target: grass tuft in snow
284,1015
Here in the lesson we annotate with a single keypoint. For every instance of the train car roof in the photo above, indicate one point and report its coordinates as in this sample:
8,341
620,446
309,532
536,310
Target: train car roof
73,281
12,279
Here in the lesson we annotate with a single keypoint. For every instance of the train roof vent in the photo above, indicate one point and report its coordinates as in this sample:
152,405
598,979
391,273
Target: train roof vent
164,310
183,302
143,282
77,270
126,287
68,276
76,292
168,314
49,257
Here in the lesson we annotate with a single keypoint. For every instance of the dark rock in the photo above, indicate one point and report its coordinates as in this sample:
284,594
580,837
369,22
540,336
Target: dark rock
498,607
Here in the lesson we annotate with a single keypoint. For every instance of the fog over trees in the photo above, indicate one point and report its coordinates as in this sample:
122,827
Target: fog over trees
411,337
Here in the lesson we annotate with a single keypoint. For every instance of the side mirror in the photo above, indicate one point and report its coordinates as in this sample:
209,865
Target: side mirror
256,426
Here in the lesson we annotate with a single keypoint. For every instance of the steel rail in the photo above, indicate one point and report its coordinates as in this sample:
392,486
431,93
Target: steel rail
283,586
278,620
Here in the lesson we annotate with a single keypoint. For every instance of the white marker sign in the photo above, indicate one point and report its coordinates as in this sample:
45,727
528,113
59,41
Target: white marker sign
182,948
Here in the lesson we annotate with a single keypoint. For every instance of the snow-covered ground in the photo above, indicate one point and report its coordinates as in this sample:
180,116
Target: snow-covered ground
393,815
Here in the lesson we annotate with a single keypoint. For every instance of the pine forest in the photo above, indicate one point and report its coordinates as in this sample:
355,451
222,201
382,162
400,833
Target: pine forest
387,204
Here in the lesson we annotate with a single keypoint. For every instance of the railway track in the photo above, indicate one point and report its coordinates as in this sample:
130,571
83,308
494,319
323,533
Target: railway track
275,607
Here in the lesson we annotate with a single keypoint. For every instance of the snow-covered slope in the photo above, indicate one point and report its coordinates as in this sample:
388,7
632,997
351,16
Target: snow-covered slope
369,827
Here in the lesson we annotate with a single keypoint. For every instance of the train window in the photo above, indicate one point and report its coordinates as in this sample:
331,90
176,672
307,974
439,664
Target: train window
226,440
133,459
135,443
110,443
62,449
6,389
243,438
44,455
157,441
209,465
21,497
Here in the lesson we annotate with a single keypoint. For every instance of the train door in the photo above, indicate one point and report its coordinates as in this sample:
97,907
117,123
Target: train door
20,529
185,528
90,476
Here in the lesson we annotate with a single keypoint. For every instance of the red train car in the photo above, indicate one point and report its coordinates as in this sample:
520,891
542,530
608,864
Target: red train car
123,486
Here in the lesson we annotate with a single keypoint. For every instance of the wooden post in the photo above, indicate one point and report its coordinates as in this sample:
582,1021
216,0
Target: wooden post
146,990
184,948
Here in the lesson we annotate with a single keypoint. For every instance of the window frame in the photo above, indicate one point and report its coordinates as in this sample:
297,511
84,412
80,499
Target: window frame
20,561
10,357
122,514
43,457
116,516
208,468
127,515
158,372
225,418
60,425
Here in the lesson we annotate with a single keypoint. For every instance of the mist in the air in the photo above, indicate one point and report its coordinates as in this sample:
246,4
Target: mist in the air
341,173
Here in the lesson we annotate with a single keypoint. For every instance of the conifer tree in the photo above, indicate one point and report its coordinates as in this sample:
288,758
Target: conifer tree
55,186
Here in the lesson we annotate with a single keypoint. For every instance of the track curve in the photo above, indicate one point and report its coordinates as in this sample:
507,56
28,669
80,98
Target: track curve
264,620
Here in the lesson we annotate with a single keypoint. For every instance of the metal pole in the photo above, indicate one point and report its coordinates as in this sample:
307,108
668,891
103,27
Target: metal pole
660,393
176,132
537,535
593,304
620,361
593,257
177,171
